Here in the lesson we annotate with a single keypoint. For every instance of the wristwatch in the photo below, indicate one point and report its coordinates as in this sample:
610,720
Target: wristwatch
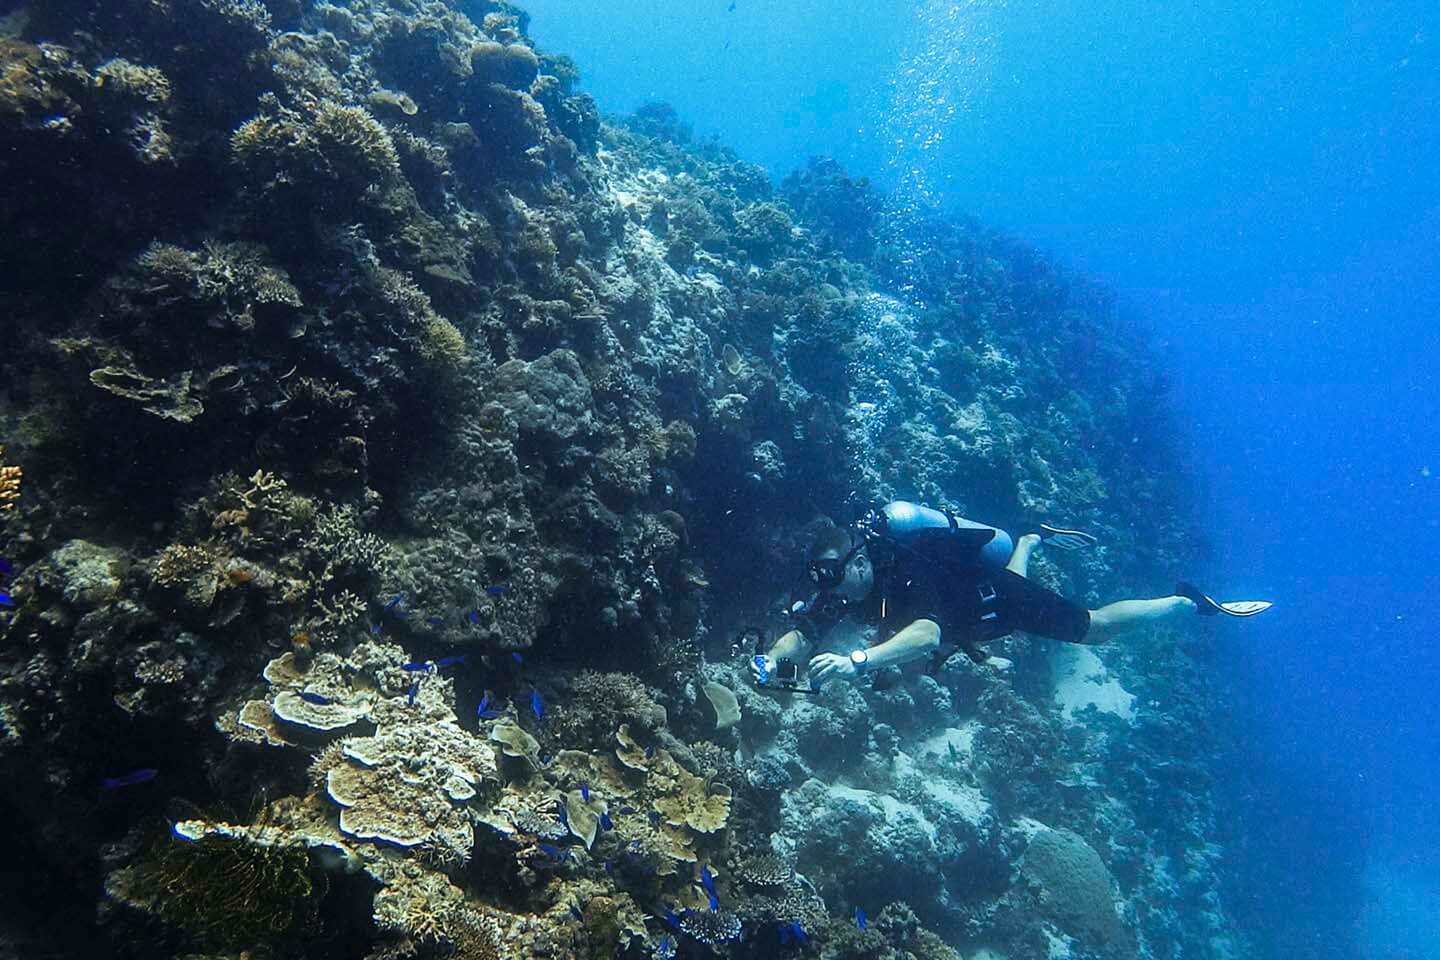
860,659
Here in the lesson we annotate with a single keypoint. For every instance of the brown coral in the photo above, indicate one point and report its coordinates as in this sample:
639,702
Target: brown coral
10,477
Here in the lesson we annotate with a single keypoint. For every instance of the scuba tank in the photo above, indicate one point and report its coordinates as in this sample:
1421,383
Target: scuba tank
939,534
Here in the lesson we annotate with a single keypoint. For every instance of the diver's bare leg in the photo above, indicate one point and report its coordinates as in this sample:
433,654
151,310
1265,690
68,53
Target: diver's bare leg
1116,618
1020,557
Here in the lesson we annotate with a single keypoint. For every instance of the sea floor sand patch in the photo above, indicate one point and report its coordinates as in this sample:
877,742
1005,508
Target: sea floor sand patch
1082,680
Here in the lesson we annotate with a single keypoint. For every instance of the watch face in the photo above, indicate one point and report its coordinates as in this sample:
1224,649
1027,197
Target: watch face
859,658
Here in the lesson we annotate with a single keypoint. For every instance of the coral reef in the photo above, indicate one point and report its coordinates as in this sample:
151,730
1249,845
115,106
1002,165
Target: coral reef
10,477
404,446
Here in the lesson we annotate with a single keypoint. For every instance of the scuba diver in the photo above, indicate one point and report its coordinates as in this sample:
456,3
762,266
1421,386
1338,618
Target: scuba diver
933,584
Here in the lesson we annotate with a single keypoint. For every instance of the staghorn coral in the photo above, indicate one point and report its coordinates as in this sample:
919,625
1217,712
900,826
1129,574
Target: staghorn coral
713,928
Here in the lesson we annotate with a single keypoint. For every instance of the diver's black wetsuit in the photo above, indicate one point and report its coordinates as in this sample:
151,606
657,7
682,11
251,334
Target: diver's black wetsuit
940,578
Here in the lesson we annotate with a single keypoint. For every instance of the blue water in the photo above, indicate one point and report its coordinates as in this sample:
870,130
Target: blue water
1260,180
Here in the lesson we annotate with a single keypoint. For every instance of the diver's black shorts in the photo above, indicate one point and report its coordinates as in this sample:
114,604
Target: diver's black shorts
1020,604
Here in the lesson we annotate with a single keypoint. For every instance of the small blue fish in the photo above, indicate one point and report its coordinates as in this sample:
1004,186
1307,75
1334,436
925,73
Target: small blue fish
649,753
451,660
515,655
314,698
545,760
129,779
714,903
584,793
575,912
435,621
610,867
707,880
375,629
536,705
417,665
670,917
485,711
792,931
6,600
410,696
564,817
860,920
606,824
394,601
635,846
473,616
496,589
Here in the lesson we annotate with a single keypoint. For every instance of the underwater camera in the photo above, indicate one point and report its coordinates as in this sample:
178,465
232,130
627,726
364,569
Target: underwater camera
784,679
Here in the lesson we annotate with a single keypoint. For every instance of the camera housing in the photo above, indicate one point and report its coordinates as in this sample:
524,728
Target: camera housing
787,673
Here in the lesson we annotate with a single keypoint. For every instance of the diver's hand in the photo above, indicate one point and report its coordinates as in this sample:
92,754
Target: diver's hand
755,668
829,666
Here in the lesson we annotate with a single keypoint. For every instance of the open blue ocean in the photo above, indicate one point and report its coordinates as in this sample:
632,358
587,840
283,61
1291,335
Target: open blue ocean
777,479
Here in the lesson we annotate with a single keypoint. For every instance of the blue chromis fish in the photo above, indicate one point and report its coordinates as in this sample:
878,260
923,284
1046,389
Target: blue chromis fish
315,698
485,711
473,616
610,867
496,589
394,601
584,793
791,931
560,812
6,600
451,660
707,880
575,912
670,917
515,655
129,779
666,950
649,753
606,824
435,621
860,920
714,903
410,694
537,706
415,665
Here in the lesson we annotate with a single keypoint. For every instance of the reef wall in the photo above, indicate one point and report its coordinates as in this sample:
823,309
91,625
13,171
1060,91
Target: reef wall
392,451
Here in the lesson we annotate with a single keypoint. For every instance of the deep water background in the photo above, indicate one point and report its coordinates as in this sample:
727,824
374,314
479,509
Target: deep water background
1260,182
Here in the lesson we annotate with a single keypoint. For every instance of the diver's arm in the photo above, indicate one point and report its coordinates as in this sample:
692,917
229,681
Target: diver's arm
790,646
915,642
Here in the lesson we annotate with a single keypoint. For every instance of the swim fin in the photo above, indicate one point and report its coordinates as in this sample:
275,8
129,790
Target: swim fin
1207,606
1060,537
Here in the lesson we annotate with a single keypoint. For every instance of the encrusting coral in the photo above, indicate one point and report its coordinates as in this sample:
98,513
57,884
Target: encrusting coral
10,477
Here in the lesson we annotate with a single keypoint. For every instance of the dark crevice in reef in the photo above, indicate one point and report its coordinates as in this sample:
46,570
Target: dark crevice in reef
342,338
